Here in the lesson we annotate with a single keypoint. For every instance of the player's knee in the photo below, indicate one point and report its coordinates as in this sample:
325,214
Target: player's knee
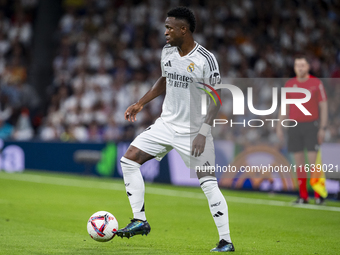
128,164
208,183
137,155
130,153
123,160
203,174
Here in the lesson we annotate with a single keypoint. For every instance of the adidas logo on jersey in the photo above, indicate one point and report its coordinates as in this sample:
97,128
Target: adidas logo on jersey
168,63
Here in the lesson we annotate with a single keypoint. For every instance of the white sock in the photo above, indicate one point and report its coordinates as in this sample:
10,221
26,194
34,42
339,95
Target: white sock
217,204
134,185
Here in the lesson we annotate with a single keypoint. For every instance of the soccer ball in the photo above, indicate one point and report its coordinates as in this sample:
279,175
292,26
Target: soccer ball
102,226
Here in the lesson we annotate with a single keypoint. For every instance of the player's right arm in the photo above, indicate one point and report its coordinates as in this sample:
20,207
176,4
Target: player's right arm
157,89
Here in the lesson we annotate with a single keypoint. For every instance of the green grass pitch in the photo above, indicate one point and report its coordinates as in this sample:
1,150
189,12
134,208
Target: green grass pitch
47,213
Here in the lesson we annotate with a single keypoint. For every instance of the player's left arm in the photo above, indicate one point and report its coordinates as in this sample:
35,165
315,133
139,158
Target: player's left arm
198,143
323,107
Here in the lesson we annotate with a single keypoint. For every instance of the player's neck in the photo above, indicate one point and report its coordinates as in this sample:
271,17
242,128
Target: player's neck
303,78
186,47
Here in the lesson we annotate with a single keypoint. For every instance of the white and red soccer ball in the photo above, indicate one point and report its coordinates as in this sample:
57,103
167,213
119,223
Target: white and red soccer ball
102,226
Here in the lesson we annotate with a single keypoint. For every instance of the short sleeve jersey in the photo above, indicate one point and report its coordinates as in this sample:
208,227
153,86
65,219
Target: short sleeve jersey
184,78
318,94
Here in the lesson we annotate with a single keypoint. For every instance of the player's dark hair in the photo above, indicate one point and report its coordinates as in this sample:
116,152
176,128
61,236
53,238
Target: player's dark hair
301,56
184,13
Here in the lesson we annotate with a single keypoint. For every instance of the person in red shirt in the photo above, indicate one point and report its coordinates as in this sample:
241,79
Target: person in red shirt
309,132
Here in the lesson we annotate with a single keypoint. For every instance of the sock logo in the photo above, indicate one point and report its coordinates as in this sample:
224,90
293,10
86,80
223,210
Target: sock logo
127,184
128,194
216,204
218,214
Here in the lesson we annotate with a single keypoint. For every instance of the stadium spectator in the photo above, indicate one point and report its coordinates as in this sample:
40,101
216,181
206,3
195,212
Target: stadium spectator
109,43
263,46
5,107
5,129
23,129
17,98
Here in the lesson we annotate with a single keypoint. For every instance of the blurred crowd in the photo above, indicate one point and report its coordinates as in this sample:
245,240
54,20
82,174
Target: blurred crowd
109,56
17,97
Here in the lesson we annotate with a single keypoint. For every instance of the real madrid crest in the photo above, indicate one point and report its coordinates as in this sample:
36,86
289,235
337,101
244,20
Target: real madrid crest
191,67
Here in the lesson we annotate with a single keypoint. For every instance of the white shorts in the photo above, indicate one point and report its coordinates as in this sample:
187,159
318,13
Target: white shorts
158,139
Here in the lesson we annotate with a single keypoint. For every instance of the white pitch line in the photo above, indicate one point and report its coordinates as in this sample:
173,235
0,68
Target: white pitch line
156,191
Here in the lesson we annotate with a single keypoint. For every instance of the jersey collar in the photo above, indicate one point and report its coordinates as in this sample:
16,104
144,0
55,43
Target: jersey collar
191,52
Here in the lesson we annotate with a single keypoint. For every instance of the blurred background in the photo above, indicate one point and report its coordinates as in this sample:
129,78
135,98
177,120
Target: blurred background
69,69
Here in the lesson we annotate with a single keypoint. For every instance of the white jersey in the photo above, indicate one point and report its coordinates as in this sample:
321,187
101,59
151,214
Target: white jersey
182,103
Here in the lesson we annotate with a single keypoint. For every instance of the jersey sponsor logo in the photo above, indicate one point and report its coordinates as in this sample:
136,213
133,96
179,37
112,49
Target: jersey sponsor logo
178,81
191,67
168,63
178,77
